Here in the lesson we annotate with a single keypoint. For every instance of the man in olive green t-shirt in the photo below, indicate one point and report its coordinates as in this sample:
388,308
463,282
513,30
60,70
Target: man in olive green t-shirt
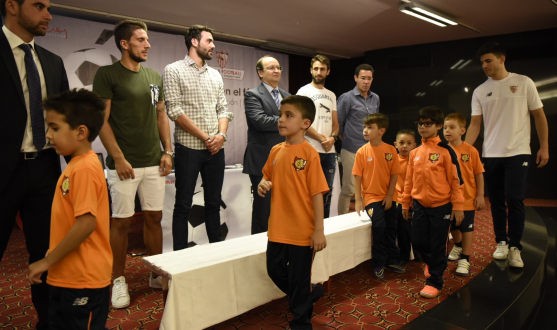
136,124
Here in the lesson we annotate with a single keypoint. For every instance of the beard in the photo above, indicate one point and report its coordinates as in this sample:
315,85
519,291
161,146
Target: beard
136,58
319,81
35,29
204,54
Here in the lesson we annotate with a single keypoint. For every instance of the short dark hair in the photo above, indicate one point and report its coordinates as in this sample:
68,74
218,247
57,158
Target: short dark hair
492,48
303,103
323,59
125,29
194,32
79,107
432,113
3,6
406,131
458,117
365,67
380,119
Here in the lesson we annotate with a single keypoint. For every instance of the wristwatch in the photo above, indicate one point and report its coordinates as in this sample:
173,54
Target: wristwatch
170,153
224,136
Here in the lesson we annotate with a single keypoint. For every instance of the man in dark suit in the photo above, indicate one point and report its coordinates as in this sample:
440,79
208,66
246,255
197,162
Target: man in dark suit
30,167
262,104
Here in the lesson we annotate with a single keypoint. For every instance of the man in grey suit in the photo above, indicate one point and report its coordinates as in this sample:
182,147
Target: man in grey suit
262,104
30,167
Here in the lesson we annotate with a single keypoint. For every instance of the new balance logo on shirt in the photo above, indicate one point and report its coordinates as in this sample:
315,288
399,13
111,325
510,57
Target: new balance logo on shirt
80,301
525,164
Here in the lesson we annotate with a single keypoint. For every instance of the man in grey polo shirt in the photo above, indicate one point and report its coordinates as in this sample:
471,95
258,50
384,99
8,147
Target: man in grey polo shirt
352,108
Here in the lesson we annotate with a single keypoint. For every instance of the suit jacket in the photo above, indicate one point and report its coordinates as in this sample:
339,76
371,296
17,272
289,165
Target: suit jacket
14,113
262,118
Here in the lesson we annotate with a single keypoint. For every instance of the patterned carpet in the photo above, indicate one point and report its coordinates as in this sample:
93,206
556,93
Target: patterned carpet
356,301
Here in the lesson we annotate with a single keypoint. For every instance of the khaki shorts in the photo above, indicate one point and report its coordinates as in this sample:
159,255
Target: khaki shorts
148,184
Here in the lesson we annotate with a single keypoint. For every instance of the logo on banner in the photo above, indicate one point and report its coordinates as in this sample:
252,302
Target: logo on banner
222,58
226,73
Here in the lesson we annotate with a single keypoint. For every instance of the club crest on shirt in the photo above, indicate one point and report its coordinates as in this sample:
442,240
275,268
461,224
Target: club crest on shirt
65,186
434,157
465,158
370,212
299,163
389,157
514,88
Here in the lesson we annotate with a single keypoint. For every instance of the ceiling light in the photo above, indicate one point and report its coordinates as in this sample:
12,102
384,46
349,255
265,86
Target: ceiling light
456,64
411,13
419,93
423,93
464,64
430,14
547,81
433,83
439,83
466,89
426,14
548,95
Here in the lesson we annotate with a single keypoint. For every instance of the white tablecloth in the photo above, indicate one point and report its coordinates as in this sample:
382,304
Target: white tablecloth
215,282
236,194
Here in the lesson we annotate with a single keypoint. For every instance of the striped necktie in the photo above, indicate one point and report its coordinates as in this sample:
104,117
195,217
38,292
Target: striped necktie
275,96
35,98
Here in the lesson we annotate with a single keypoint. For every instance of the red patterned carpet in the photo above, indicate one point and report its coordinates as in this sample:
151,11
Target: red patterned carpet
356,301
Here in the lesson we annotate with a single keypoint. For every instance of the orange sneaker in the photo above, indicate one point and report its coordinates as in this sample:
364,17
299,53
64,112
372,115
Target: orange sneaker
426,271
429,292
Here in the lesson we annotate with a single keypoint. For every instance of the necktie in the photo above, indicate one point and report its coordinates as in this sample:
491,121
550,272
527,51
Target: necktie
275,96
35,98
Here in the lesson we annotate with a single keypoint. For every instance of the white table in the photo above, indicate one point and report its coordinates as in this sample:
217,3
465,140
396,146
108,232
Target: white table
236,194
215,282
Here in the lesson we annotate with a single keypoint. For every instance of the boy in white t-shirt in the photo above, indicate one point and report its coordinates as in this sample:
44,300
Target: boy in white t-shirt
504,104
322,133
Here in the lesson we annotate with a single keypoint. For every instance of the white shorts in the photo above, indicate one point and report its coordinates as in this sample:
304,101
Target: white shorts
148,184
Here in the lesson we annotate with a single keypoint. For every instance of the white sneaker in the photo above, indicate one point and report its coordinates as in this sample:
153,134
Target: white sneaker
120,294
515,260
463,268
155,282
455,253
502,251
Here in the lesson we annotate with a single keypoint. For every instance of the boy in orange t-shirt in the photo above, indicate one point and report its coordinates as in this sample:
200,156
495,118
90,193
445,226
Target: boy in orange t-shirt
435,187
296,233
375,173
79,261
472,174
405,142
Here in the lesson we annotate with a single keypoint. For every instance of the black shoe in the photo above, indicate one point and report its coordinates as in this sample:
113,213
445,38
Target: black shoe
317,292
399,267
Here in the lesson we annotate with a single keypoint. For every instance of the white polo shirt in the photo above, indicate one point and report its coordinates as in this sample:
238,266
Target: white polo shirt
505,106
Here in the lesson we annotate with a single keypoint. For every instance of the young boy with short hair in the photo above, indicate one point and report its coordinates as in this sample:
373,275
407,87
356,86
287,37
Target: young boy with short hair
405,142
79,261
296,232
375,173
472,173
434,184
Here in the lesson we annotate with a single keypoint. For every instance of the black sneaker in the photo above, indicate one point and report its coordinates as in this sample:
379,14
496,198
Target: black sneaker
317,292
399,267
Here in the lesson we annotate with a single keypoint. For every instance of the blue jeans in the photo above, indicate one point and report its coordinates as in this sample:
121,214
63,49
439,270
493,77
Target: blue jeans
188,164
328,164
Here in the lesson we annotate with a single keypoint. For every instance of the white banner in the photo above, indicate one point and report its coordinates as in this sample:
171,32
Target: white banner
85,46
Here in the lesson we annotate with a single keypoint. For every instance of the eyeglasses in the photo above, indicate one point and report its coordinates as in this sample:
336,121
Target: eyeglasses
273,68
424,123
